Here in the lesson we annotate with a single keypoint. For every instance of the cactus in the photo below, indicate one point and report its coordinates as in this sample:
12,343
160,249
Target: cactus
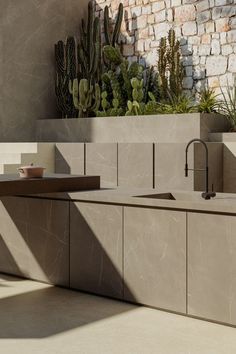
78,62
170,68
135,70
66,70
113,55
86,97
174,64
124,67
113,38
162,68
148,83
152,106
137,92
104,101
89,47
109,111
133,109
136,106
118,81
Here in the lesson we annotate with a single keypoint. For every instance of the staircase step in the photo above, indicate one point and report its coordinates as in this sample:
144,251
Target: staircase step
10,158
14,155
18,147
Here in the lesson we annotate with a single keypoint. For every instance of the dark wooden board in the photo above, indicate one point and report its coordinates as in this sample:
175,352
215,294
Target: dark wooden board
11,185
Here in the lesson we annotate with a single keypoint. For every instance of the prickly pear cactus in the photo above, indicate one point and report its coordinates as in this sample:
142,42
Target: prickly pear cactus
134,109
86,97
137,92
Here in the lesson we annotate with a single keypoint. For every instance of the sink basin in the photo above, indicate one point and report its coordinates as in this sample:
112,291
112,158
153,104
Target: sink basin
178,196
167,196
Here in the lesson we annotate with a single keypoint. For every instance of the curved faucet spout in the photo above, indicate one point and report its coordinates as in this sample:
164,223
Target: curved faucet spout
206,194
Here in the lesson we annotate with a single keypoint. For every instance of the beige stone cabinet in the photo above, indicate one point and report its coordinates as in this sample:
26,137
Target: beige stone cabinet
96,244
212,266
155,258
34,239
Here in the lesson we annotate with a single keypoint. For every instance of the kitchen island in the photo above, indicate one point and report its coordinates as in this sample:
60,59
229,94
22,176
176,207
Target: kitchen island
170,250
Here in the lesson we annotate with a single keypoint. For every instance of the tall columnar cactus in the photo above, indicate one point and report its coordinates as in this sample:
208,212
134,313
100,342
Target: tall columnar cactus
174,64
86,97
66,70
162,68
170,68
89,47
112,34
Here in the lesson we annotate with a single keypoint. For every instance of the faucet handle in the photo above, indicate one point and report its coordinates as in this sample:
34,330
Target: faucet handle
213,194
186,170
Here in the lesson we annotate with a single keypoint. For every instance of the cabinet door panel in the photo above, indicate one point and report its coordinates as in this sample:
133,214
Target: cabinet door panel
155,258
212,267
96,248
34,239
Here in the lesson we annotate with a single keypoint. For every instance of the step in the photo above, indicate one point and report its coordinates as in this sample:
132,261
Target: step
18,147
43,154
10,158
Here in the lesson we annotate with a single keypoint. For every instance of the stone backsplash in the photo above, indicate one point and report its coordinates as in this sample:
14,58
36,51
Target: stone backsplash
207,30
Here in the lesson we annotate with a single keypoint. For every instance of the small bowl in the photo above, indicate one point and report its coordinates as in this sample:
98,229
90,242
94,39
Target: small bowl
31,171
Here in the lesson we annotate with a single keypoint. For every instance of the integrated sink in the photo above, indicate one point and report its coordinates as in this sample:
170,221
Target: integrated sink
168,196
178,196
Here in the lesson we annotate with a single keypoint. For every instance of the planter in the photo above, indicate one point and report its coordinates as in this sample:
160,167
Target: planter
223,137
159,128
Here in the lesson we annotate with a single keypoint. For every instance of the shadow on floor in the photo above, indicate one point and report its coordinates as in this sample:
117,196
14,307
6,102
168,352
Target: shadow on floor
46,312
35,232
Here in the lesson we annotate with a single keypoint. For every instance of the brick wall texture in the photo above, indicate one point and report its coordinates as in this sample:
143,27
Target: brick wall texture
207,30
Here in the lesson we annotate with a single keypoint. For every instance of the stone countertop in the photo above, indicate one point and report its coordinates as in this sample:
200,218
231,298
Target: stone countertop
182,200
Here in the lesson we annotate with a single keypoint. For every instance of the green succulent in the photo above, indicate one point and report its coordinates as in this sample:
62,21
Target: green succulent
208,102
228,105
177,104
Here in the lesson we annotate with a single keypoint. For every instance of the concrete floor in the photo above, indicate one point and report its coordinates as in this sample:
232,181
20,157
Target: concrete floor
37,318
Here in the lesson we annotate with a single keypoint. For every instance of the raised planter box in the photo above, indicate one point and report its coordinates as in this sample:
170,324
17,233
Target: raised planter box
222,137
172,128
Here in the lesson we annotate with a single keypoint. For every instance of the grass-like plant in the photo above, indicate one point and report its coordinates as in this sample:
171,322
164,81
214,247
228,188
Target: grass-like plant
208,102
182,103
228,105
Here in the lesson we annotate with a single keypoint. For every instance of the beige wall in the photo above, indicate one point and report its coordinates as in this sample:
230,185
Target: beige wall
28,31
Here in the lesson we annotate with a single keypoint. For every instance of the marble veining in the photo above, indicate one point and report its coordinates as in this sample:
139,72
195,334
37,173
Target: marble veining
69,158
154,258
96,249
212,264
35,233
28,31
101,159
146,129
135,165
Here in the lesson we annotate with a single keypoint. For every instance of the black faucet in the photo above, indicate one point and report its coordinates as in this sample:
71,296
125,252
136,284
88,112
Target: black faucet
206,194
